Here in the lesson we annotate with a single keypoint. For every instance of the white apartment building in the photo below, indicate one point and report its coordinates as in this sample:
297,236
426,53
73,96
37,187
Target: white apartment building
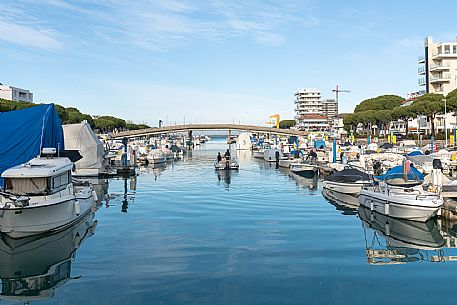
311,112
438,66
15,94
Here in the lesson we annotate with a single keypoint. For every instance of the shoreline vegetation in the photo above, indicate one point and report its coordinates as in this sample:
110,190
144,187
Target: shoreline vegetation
71,115
382,110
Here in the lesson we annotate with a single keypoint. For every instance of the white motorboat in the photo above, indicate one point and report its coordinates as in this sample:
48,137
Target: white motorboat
272,154
345,203
259,154
31,268
400,196
169,155
156,156
226,164
303,169
348,181
39,196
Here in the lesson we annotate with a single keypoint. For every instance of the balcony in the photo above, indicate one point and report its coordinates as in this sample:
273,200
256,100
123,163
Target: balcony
441,66
440,78
421,81
421,70
421,59
445,54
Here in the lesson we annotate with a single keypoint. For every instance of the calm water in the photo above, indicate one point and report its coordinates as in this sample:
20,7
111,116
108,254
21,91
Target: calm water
185,234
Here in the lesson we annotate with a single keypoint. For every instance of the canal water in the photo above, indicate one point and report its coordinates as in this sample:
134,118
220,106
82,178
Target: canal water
185,234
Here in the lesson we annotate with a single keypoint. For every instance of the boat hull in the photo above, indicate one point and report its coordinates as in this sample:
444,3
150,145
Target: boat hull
400,207
26,221
258,154
341,187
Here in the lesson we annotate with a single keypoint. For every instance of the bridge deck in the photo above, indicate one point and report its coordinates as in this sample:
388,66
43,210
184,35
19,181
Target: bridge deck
182,128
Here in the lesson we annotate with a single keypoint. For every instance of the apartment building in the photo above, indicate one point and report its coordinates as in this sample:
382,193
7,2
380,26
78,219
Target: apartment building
313,113
15,94
438,66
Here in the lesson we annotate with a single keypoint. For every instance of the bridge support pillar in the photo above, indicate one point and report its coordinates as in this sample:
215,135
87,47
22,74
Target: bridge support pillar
189,142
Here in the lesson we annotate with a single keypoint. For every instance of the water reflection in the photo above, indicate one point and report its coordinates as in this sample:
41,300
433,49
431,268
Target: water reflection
225,176
303,182
32,268
101,187
394,241
345,203
154,169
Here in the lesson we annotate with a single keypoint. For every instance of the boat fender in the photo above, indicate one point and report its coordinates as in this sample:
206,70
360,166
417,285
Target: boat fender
95,195
387,208
387,229
77,207
371,205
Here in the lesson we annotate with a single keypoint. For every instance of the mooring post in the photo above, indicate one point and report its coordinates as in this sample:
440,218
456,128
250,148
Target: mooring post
334,149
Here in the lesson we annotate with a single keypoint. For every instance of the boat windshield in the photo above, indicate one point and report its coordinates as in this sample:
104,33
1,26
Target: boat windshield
26,185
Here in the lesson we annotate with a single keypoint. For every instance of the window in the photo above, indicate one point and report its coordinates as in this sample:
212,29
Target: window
447,49
454,49
60,180
26,185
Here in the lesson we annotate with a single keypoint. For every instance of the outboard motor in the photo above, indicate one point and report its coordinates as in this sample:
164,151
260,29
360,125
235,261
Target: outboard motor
437,164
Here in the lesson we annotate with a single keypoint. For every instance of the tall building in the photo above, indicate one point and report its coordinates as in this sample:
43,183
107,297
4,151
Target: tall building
313,113
15,94
438,66
330,110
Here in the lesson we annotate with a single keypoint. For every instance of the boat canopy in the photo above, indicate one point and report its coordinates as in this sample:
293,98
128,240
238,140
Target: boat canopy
24,132
397,172
348,175
81,138
415,153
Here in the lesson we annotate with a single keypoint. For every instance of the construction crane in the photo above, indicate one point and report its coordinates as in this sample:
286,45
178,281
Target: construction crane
337,91
276,122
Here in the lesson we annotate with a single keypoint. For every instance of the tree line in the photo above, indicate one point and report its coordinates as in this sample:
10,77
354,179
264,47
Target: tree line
382,110
71,115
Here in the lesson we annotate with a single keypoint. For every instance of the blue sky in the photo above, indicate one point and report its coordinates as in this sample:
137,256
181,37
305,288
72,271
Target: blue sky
213,61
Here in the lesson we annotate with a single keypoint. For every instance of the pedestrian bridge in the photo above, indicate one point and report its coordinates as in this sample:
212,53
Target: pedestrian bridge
192,127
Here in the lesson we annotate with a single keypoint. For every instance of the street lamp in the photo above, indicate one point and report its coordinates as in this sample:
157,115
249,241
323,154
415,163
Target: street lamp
445,114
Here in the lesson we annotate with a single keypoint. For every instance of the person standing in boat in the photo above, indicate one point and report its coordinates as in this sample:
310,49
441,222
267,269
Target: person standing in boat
227,154
219,157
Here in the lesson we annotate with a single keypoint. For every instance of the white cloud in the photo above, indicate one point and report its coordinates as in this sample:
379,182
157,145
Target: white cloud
29,36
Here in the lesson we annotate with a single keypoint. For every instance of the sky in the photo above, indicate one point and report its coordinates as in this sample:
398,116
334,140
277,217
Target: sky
213,61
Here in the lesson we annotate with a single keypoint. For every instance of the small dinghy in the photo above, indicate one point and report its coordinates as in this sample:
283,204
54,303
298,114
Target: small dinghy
399,193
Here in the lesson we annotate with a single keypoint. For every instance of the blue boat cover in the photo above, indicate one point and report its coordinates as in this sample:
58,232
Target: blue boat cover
319,144
415,153
397,172
24,132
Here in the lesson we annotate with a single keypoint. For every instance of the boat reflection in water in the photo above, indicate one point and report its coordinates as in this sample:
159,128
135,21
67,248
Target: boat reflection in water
345,203
226,177
101,188
405,240
31,268
304,182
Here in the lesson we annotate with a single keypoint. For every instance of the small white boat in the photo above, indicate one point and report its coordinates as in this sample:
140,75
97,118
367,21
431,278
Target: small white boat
303,169
259,154
348,181
39,196
226,164
156,156
271,154
169,155
400,197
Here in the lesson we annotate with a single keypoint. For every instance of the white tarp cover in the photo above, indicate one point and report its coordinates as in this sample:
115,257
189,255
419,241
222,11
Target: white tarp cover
81,137
244,141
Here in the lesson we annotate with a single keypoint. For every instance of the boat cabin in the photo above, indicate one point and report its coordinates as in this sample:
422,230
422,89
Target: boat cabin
39,176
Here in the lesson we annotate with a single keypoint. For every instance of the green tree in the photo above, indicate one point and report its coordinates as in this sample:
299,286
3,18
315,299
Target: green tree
382,102
286,124
403,113
429,105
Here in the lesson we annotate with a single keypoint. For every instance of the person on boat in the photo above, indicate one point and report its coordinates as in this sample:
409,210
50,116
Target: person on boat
227,154
312,156
219,157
